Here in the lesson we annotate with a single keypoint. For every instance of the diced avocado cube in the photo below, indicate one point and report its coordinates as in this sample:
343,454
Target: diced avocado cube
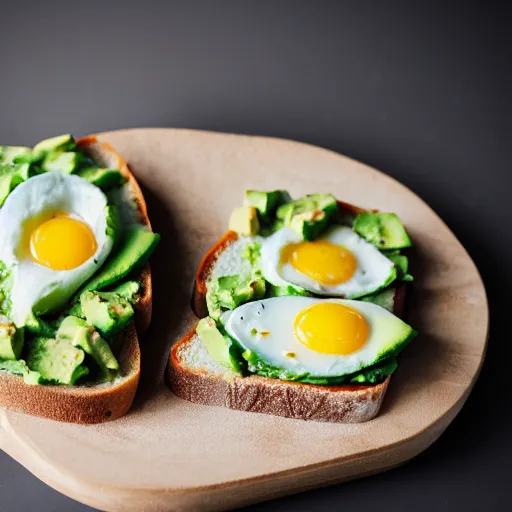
9,153
136,248
63,162
8,182
70,327
402,266
106,311
244,220
216,344
59,143
56,360
384,230
128,290
308,215
266,202
11,341
81,335
102,178
242,295
228,282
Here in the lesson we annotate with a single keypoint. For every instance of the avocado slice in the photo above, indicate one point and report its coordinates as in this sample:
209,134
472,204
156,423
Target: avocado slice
102,178
63,162
266,202
81,335
106,311
244,220
384,230
11,341
56,360
308,215
59,143
8,182
138,245
216,344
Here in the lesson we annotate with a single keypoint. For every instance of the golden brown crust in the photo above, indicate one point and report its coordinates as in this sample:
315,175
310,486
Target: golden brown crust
107,402
338,404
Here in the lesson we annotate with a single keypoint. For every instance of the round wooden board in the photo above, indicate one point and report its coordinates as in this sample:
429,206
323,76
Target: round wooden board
171,454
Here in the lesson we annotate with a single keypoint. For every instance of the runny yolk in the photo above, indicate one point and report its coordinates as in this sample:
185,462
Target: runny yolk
331,328
321,260
62,243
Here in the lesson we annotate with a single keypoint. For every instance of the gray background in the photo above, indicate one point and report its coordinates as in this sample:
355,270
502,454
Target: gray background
420,90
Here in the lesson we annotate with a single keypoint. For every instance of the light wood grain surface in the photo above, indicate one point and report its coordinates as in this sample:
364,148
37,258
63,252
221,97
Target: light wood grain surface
170,454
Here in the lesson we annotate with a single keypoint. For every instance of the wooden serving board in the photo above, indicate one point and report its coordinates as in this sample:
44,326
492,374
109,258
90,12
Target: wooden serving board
170,454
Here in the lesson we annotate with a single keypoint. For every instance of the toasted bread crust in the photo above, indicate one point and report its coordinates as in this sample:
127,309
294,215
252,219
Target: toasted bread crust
337,404
343,404
107,402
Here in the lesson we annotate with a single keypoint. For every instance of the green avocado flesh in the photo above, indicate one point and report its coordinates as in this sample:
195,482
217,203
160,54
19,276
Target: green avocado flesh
11,341
64,162
384,230
56,360
106,311
309,215
102,178
82,335
137,246
70,344
219,347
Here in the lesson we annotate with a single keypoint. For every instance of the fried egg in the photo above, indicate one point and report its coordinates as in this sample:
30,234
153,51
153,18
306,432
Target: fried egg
322,337
339,263
53,237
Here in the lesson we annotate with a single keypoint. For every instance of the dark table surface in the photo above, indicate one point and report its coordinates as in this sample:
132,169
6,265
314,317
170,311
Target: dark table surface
420,90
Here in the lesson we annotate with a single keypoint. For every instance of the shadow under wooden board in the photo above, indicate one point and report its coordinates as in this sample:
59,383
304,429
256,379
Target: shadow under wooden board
170,454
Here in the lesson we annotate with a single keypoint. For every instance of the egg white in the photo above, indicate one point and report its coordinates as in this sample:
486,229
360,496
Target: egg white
37,288
374,271
277,315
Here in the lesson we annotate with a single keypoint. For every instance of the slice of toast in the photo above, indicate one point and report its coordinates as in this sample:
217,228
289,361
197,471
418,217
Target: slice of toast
105,402
192,375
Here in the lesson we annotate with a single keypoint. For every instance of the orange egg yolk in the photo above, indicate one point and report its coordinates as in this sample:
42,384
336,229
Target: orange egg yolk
326,263
62,243
331,328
